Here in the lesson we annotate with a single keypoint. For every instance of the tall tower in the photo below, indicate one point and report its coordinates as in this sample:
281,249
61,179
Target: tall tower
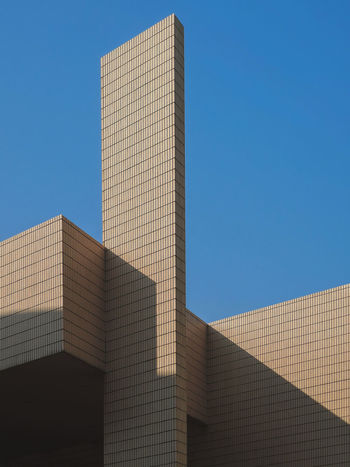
143,182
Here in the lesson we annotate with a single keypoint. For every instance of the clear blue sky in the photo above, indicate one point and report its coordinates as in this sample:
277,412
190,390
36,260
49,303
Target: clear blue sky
268,140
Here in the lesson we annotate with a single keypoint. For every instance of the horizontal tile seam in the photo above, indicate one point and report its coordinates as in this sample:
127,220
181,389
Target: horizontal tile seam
137,123
281,304
142,141
171,125
146,86
178,66
29,231
128,51
93,345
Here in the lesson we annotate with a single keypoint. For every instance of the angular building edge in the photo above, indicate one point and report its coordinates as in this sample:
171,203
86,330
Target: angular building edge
296,351
267,387
142,110
52,294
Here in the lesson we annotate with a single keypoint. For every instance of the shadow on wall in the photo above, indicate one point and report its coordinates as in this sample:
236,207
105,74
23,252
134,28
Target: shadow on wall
51,409
258,419
139,412
51,403
51,413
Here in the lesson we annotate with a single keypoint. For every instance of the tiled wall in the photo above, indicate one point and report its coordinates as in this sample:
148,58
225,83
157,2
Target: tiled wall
144,233
83,297
31,294
278,386
52,295
196,364
265,388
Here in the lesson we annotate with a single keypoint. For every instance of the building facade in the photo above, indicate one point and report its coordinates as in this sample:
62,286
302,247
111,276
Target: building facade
102,364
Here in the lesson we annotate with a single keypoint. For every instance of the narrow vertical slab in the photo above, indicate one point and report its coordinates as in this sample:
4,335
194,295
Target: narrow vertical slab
83,295
144,233
196,364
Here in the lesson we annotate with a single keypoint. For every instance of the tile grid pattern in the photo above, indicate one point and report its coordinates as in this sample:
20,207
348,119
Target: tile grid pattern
83,296
31,294
278,385
196,348
52,295
144,232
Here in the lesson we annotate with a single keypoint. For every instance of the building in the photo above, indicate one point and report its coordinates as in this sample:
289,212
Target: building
101,364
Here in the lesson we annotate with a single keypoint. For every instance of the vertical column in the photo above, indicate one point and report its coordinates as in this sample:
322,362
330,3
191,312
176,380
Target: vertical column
144,232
